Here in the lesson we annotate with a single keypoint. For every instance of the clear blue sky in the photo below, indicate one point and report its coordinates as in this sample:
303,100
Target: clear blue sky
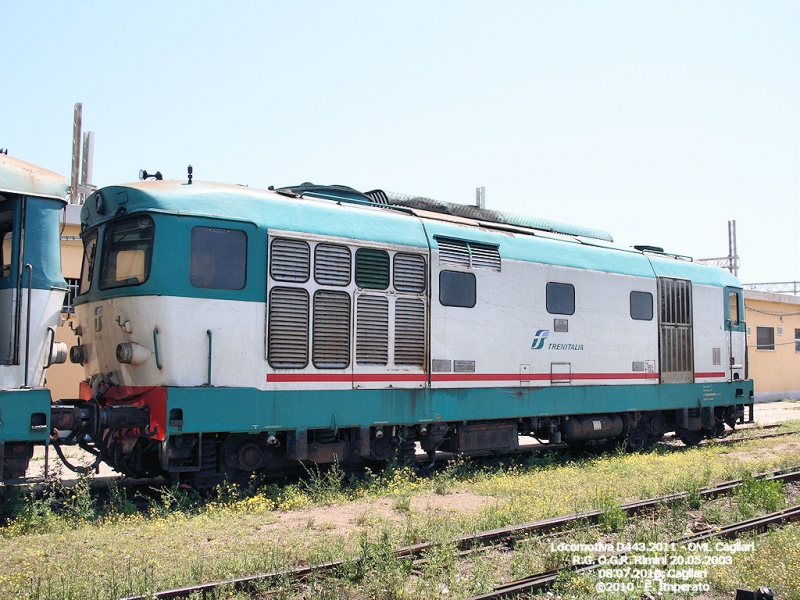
656,121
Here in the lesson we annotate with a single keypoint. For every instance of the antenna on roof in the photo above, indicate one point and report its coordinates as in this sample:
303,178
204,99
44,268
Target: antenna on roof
480,197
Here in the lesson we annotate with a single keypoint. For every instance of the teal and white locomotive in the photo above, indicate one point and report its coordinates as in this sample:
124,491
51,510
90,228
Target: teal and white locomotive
227,331
32,292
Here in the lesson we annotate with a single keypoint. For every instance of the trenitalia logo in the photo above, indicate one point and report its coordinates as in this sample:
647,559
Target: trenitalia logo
539,338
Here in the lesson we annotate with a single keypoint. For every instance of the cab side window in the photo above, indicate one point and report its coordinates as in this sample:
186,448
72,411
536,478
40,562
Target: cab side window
219,258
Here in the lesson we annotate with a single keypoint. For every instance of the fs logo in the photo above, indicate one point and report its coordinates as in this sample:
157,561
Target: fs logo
98,319
539,338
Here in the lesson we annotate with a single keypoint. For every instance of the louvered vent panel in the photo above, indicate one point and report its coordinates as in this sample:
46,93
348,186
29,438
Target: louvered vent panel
409,273
485,256
372,330
290,260
331,337
332,264
288,328
372,269
409,332
453,252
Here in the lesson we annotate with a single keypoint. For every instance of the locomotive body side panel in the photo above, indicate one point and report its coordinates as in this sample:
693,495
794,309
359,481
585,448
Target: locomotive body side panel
317,324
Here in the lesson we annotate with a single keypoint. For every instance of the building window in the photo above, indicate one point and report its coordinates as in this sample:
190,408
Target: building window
560,298
457,289
642,306
218,258
797,340
765,338
69,297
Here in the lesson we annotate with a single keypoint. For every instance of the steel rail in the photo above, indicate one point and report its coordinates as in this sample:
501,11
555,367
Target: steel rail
503,535
547,578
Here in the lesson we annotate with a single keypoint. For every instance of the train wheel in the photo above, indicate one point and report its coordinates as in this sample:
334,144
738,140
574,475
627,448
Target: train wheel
690,438
636,439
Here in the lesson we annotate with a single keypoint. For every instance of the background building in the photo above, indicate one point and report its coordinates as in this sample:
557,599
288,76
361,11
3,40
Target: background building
773,343
63,379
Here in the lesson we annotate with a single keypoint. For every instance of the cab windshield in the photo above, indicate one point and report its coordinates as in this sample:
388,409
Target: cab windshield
126,252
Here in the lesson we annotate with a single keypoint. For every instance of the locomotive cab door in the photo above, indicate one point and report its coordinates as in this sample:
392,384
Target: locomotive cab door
675,335
10,282
736,329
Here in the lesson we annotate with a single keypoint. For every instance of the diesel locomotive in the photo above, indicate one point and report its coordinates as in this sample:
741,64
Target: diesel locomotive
227,331
32,292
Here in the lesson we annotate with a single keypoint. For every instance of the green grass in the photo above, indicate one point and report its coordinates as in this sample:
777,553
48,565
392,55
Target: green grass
63,546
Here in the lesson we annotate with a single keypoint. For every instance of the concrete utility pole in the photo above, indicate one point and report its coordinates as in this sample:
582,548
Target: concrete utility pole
78,191
480,197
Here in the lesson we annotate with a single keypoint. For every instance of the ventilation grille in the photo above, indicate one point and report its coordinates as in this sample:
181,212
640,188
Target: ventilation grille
409,324
676,350
676,301
331,341
372,330
332,265
372,269
290,260
409,273
468,254
675,324
288,328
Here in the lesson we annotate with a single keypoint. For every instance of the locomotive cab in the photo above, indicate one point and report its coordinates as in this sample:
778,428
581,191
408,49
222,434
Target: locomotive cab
32,290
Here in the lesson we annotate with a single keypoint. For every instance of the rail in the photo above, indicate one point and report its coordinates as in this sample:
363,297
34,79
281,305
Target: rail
502,535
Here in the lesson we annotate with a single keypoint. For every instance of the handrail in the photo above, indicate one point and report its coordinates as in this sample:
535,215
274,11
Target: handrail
155,347
52,333
208,333
29,268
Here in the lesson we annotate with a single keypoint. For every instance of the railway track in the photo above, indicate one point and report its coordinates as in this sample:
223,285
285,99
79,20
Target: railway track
505,536
544,580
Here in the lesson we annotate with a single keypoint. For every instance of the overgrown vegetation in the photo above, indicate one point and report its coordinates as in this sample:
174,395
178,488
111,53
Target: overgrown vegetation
63,544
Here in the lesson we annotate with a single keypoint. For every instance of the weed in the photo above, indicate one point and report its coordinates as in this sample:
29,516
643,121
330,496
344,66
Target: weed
118,502
714,515
755,495
612,517
402,504
175,498
324,485
694,498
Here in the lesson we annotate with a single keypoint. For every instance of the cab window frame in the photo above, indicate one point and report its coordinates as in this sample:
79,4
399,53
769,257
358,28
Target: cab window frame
112,248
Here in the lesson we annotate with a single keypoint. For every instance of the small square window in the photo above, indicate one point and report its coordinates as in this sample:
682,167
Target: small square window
457,289
560,298
765,338
642,306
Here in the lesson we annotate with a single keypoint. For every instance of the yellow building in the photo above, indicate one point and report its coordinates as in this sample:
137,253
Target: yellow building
63,379
773,344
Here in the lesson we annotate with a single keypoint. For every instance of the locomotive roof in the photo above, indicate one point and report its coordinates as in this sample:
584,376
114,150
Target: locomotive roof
21,177
386,224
